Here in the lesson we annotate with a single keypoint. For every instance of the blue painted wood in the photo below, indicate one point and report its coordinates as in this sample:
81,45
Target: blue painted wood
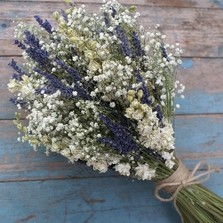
97,200
197,138
206,4
203,96
200,138
36,188
200,101
18,161
203,81
180,24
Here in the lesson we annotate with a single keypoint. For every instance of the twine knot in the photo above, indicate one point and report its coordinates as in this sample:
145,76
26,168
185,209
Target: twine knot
180,179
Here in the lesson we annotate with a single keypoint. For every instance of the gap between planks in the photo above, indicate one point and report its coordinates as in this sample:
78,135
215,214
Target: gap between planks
78,178
176,115
204,4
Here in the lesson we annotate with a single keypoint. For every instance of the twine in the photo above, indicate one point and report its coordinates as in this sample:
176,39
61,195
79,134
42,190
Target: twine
180,179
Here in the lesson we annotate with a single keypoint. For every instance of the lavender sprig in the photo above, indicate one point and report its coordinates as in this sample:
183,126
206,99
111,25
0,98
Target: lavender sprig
45,24
146,94
124,41
137,45
122,141
20,44
20,72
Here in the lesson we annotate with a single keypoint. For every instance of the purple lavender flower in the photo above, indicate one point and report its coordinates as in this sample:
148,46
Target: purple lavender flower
56,84
45,90
16,77
20,72
82,92
20,102
146,94
122,141
164,53
35,51
31,40
20,44
136,42
74,73
45,24
39,55
73,51
106,19
159,115
81,89
63,13
145,97
124,41
114,12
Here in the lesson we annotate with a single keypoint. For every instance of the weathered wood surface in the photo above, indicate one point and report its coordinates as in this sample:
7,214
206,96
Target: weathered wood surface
100,200
199,31
216,4
197,137
202,77
36,188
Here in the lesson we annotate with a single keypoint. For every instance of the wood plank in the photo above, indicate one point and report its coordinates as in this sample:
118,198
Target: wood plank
199,31
20,161
88,200
216,4
201,76
7,109
197,138
203,81
36,188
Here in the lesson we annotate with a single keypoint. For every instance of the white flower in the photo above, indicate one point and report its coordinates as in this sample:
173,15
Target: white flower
167,156
144,172
123,168
13,85
112,104
74,93
169,163
101,166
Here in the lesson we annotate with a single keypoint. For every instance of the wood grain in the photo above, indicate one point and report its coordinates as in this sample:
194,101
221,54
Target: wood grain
213,4
201,76
89,200
98,200
36,188
199,31
197,138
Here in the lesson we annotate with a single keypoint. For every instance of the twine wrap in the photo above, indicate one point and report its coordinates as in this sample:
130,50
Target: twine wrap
182,178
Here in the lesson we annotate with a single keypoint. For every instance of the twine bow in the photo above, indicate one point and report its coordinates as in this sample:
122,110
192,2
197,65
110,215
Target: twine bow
182,178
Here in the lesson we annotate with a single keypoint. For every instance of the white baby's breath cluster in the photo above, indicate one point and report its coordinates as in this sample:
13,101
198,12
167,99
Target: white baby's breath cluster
93,65
151,135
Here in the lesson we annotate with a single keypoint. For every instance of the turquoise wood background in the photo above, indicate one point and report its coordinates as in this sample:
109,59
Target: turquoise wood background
36,188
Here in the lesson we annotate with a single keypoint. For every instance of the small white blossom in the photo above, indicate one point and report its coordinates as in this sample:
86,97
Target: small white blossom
123,168
142,171
112,104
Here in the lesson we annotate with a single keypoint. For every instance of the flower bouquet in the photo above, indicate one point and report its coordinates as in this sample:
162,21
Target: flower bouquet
100,89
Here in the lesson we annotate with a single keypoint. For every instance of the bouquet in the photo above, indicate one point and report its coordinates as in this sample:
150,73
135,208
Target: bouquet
98,88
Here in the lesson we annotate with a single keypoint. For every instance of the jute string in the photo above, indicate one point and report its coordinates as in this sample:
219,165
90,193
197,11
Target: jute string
182,178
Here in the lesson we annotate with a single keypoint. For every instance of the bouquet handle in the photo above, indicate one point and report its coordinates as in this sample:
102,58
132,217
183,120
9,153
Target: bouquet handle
180,179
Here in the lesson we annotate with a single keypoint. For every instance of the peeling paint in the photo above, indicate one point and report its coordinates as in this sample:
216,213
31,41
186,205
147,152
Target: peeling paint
93,200
187,63
26,219
218,3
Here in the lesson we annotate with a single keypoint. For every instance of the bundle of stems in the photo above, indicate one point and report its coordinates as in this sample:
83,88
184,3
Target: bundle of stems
99,89
194,203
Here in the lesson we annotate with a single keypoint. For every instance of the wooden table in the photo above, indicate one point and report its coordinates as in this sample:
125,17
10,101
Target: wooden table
36,188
